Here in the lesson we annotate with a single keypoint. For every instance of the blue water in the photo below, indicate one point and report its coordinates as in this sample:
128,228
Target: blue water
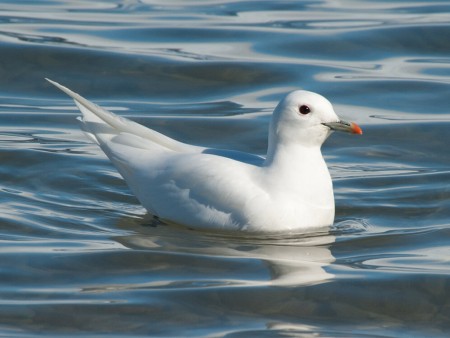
80,257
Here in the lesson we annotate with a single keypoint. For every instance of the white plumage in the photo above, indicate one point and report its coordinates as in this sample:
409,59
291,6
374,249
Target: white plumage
290,189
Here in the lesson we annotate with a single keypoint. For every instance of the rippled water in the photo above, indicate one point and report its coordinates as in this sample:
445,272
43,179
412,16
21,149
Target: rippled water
79,255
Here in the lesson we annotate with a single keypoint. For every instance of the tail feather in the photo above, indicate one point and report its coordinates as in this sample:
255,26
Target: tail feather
89,133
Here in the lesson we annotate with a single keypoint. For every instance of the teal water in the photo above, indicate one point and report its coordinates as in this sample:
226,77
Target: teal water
80,257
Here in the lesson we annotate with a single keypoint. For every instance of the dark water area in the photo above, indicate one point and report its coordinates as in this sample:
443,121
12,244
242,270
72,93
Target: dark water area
80,257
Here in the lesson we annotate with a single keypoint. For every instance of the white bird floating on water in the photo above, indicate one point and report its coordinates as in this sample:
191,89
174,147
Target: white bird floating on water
289,190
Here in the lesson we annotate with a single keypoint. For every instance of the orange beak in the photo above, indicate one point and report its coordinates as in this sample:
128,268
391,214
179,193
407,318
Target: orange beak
348,127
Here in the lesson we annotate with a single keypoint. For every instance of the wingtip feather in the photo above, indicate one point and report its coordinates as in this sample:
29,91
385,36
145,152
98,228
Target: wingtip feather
66,90
94,112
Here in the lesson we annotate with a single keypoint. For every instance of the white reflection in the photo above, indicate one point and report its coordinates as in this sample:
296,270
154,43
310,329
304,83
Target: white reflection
299,259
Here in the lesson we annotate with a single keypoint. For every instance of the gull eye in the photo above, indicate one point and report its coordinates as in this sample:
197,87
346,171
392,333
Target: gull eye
304,109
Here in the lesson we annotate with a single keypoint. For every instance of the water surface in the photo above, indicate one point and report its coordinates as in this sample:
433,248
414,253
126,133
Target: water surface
80,257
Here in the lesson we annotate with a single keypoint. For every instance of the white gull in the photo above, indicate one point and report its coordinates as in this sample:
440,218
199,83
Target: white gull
289,190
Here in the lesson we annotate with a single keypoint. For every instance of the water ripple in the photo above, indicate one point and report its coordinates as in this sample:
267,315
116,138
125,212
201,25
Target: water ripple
80,256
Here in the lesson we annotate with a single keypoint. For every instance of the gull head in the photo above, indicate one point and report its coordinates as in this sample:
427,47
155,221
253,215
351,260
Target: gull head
306,118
